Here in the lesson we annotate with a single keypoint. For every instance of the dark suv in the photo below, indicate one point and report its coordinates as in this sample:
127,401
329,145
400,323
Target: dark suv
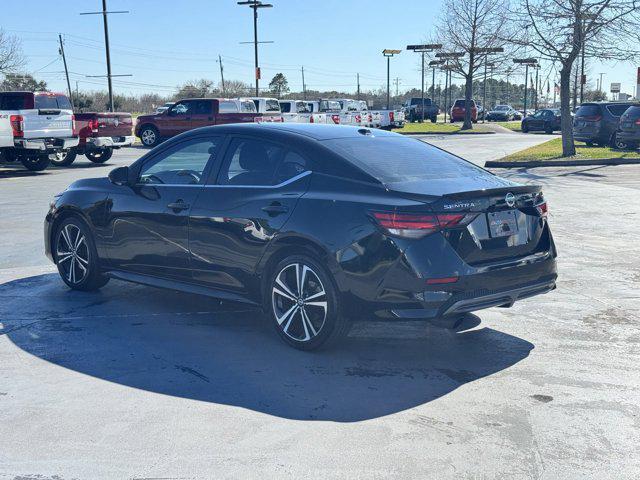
628,135
413,109
598,122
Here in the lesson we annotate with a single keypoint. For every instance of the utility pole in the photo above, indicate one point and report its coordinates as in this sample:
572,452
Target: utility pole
389,53
104,14
255,5
422,49
66,71
600,84
396,82
358,84
222,74
537,87
304,87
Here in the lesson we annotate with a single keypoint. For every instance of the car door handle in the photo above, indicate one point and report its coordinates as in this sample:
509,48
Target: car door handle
178,205
275,209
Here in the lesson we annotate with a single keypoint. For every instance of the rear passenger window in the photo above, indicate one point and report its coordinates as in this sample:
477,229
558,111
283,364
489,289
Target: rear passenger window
202,107
285,107
617,110
45,102
227,107
254,162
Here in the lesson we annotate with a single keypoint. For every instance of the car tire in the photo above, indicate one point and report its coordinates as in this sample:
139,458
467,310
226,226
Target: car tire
524,129
76,257
548,130
589,144
617,144
100,155
434,119
308,317
149,136
36,163
64,158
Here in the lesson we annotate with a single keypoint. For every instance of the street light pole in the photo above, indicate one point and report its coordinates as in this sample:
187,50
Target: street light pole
423,49
389,53
528,62
447,56
433,64
255,5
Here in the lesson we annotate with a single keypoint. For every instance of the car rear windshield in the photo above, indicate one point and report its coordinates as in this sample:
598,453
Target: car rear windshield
397,160
633,111
418,101
45,102
588,111
460,103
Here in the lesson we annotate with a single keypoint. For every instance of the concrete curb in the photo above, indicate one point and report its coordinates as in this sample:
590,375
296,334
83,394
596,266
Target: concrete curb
562,163
444,133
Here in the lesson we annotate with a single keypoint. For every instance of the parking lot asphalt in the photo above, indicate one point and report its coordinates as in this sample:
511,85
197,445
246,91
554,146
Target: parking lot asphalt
136,382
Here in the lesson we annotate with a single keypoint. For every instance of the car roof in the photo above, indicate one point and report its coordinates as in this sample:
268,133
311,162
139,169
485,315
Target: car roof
310,130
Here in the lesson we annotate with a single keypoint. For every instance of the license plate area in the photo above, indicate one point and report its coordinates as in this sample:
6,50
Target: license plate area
502,224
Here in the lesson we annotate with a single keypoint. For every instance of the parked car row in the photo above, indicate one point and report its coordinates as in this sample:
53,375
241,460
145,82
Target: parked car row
608,123
40,128
192,113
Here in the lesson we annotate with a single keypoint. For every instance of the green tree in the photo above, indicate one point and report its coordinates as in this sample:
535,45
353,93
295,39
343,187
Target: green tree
279,85
18,82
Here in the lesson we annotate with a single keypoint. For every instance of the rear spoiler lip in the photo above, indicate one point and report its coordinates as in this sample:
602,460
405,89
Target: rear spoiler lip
427,197
495,191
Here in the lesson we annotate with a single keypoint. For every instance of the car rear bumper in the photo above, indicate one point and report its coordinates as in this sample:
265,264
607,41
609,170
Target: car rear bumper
629,136
116,142
46,144
470,293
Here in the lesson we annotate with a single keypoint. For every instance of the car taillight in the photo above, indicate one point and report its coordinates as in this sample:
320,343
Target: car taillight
391,116
637,122
412,225
93,125
543,209
336,119
17,125
73,126
311,119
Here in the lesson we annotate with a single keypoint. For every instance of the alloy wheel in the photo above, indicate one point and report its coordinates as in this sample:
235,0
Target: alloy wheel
148,137
72,254
299,302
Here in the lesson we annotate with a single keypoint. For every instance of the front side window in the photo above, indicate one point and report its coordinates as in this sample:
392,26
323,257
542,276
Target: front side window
255,162
285,107
302,107
183,164
247,106
182,108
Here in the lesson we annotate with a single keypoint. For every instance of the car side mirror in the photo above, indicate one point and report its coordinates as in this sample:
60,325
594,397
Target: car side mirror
119,176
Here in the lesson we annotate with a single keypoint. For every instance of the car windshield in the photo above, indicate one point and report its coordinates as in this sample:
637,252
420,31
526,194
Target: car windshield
418,101
398,160
501,108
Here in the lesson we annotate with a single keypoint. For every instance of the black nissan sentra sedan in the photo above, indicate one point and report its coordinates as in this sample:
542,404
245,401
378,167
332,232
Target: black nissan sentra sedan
317,224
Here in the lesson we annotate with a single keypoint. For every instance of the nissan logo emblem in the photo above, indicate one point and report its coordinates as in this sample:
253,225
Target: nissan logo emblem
510,199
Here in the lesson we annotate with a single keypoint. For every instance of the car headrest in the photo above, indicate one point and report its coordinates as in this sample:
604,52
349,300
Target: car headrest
253,156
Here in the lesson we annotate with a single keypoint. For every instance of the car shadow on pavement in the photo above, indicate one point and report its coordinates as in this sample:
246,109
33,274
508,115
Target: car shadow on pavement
202,349
18,172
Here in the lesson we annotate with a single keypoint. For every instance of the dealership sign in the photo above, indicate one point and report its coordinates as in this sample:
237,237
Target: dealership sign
615,88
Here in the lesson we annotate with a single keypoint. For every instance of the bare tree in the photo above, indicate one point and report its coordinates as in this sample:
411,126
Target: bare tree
560,30
11,57
475,28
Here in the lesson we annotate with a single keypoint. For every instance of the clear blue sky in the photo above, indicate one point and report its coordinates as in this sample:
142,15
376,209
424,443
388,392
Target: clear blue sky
165,43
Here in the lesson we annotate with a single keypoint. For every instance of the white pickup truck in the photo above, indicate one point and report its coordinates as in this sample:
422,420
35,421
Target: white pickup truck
268,105
42,124
329,110
390,119
298,111
350,112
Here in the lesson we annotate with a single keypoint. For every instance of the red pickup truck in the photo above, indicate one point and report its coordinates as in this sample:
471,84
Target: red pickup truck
99,135
198,112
